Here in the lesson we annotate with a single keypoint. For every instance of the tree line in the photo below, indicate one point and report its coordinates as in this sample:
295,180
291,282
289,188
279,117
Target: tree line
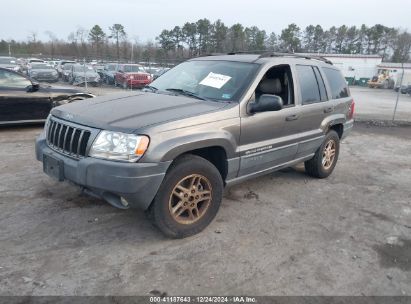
205,37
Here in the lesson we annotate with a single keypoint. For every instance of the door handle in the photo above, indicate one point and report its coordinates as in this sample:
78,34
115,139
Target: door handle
328,110
292,117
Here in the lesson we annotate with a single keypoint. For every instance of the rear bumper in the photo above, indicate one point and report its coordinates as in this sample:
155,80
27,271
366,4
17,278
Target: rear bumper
137,183
347,128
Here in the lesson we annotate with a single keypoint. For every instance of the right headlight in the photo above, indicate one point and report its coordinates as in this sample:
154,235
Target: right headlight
119,146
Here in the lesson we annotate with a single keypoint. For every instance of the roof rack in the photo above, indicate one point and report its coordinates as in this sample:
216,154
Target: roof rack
274,54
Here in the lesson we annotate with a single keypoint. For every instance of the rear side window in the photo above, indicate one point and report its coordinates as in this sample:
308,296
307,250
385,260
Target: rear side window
310,92
321,85
339,88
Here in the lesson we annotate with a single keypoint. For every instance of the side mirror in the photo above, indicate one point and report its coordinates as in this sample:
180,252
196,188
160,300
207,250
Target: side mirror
266,103
34,87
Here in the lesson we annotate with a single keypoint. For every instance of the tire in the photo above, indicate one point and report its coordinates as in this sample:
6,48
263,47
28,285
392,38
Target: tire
386,84
316,167
115,83
185,171
125,86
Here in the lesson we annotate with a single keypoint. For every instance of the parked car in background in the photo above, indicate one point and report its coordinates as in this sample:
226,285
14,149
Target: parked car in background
43,72
9,63
65,71
25,101
160,72
109,72
99,68
132,75
28,62
61,64
81,73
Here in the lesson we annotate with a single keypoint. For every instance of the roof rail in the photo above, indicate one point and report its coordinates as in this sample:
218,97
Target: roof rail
275,54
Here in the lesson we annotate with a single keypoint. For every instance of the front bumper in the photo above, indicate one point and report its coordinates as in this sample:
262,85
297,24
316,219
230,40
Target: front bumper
46,78
137,183
137,82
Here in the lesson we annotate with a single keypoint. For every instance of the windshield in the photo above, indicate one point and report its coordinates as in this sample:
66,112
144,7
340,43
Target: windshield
134,68
217,80
7,60
81,68
41,66
111,67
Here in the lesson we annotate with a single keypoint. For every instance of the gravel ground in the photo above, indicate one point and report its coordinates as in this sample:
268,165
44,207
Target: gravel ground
281,234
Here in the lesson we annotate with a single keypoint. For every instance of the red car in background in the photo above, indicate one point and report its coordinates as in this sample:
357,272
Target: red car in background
131,76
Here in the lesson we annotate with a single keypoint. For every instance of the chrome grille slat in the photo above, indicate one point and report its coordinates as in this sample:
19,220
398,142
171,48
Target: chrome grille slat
79,142
59,138
72,140
67,139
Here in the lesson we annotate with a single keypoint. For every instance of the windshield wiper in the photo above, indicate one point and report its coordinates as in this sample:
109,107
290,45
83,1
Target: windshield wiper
153,89
187,93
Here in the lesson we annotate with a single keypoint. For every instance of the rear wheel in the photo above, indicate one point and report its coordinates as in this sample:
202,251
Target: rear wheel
188,198
325,159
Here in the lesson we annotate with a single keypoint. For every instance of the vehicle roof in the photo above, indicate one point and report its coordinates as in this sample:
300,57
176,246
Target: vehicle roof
133,64
262,59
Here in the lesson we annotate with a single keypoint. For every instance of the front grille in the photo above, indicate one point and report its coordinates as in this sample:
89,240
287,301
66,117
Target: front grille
67,139
140,77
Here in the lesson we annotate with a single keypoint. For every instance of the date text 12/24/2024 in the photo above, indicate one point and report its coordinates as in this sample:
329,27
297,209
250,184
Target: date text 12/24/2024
203,299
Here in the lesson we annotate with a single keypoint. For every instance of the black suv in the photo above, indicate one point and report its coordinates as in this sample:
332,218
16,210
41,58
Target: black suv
209,122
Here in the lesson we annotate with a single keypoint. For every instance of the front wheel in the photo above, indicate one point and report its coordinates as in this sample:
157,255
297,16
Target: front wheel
188,198
325,159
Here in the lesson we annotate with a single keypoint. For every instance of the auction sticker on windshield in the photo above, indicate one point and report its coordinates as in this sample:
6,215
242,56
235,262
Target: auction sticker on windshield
215,80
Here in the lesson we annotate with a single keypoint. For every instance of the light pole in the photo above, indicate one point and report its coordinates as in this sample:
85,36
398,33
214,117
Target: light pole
85,73
398,93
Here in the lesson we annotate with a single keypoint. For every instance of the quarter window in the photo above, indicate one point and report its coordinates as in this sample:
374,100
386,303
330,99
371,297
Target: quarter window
339,88
321,85
310,92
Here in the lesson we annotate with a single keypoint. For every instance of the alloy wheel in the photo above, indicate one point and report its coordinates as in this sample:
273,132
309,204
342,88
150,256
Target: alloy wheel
190,199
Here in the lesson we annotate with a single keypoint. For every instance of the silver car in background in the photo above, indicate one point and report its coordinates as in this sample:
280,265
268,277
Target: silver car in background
43,72
9,63
81,73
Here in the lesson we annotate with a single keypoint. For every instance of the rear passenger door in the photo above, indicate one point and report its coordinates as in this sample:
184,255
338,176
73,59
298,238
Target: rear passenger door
313,108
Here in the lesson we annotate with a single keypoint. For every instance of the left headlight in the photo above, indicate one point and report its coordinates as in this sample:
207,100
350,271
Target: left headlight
119,146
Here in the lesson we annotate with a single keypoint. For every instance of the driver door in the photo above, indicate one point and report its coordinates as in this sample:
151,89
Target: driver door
265,140
17,104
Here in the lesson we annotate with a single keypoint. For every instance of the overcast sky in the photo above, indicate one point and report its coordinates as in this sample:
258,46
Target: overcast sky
145,19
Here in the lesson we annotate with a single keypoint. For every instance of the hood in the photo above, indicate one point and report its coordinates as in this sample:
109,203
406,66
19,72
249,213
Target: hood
58,89
127,112
136,73
88,74
48,71
8,65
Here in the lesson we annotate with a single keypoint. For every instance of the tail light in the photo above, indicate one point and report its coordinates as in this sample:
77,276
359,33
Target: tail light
351,110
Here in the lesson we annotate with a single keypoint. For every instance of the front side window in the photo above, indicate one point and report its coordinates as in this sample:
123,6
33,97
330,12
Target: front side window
339,88
13,80
310,92
216,80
